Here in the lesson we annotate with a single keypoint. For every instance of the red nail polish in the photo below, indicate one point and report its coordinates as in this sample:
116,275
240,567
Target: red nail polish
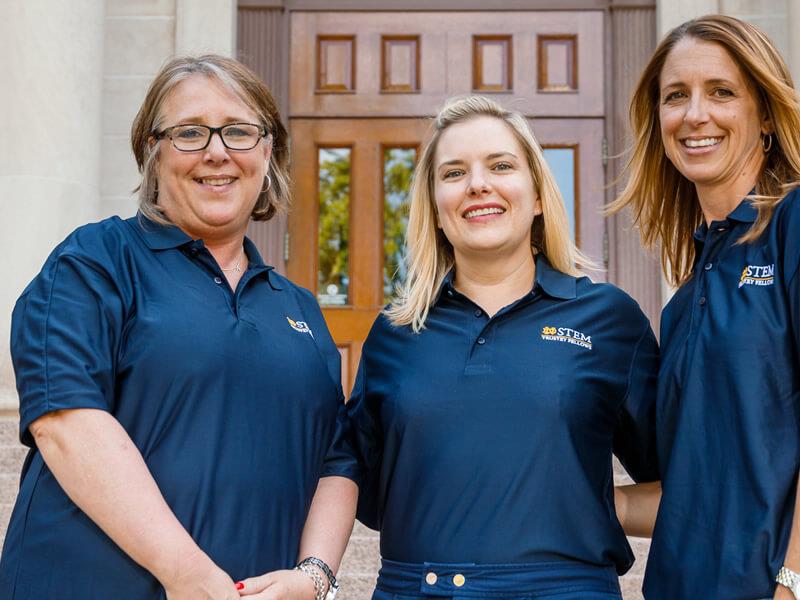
239,585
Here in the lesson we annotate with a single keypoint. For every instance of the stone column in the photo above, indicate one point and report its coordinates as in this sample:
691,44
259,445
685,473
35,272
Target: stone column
205,27
51,65
793,27
671,13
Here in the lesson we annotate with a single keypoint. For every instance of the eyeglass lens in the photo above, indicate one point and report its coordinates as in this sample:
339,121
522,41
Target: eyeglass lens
238,136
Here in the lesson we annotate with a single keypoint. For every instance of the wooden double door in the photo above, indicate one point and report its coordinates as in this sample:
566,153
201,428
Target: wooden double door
347,223
363,87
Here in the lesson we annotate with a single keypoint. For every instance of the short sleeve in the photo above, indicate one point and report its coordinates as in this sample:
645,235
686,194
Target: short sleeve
357,449
635,434
65,331
790,242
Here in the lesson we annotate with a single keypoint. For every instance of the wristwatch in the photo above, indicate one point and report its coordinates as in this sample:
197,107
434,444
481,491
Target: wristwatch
789,579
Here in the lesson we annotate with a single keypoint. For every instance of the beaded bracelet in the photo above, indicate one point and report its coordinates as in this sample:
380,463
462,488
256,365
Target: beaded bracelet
319,585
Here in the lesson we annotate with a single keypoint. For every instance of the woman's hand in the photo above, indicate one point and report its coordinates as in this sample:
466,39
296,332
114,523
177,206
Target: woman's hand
200,579
279,585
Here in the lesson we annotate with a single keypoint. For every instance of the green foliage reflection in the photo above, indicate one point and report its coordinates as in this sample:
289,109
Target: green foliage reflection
398,168
333,277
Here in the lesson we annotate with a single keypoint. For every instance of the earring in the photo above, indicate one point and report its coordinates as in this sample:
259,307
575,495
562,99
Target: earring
766,142
269,183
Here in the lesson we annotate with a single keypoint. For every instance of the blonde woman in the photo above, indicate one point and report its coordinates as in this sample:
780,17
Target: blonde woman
491,394
713,181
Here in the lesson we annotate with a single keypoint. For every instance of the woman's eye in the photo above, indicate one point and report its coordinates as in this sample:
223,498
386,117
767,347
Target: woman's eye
237,132
453,173
723,93
190,133
673,96
502,166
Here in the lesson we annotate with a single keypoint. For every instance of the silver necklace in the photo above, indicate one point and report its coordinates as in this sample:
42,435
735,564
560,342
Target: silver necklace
237,267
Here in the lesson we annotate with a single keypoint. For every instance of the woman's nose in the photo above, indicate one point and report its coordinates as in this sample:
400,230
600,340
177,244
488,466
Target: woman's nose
216,150
696,110
478,183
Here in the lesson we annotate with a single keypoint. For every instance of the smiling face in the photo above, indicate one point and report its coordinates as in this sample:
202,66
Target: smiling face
484,190
711,123
209,194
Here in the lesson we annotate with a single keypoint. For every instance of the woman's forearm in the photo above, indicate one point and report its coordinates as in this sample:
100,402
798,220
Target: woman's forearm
330,521
325,535
637,506
101,470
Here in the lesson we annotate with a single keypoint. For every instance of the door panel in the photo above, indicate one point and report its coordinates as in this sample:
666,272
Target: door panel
585,138
544,63
366,141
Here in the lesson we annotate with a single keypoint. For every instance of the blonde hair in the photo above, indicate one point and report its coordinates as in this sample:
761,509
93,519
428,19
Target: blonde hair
429,255
252,91
664,202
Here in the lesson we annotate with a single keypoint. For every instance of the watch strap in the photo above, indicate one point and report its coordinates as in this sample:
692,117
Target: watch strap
789,579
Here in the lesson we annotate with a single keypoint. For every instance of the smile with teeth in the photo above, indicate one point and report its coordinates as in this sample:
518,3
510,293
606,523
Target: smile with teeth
215,180
479,212
702,143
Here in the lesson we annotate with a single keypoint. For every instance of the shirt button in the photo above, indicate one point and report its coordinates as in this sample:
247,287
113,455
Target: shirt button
481,341
478,312
218,280
431,578
458,580
194,251
702,301
708,266
449,292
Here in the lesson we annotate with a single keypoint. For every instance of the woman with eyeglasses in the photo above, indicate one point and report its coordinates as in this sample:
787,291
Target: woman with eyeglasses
178,395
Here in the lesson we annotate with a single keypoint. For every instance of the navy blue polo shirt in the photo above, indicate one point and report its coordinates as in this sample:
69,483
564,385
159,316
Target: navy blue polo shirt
230,396
729,413
489,440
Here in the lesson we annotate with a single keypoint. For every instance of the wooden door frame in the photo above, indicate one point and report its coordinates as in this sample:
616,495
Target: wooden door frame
628,265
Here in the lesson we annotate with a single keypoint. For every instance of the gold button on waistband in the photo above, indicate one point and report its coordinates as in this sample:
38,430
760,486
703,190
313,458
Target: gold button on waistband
458,580
431,578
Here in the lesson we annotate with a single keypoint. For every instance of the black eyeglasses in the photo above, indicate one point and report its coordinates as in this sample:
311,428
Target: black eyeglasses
191,138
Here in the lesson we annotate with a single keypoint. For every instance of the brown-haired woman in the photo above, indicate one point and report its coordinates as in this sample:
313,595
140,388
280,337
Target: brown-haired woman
713,182
178,396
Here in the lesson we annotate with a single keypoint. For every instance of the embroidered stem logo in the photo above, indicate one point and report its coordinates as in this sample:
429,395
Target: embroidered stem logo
758,275
565,334
300,326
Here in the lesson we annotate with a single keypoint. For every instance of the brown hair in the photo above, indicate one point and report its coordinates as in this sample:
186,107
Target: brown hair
664,202
247,86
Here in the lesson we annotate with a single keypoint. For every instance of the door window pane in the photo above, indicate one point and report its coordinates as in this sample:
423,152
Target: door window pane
398,167
333,275
562,163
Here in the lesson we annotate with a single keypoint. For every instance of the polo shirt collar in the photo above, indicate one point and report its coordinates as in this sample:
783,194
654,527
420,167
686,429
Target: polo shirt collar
165,237
158,236
744,213
552,282
257,264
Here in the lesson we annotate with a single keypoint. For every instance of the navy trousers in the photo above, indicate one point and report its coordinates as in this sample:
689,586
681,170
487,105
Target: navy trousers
539,581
